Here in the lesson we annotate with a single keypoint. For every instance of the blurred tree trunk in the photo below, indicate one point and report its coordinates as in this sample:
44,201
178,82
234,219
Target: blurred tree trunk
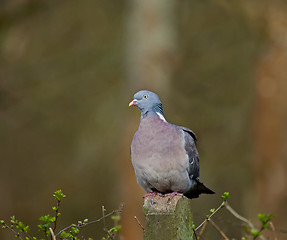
150,44
150,56
271,115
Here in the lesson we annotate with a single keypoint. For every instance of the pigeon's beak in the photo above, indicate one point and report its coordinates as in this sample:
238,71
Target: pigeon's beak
133,102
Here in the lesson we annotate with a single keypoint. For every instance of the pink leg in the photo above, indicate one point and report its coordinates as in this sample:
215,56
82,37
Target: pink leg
171,195
152,194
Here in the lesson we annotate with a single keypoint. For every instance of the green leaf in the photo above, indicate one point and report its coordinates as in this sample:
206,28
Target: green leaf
264,217
22,227
13,220
44,218
255,233
44,226
47,218
63,234
75,230
26,229
212,210
115,229
66,235
54,208
59,195
265,225
118,228
41,227
225,196
116,218
2,221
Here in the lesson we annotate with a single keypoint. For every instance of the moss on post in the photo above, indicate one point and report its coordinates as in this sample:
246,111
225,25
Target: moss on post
168,220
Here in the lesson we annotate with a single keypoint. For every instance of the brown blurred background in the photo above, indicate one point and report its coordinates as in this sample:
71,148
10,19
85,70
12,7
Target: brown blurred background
69,68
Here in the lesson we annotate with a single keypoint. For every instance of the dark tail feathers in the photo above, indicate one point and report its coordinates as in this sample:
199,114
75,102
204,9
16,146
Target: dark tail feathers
200,188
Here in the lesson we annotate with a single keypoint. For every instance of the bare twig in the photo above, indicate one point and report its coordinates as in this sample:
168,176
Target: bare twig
218,229
104,223
80,225
139,223
107,215
200,225
273,230
52,234
64,229
243,219
235,214
11,229
104,218
203,229
194,234
280,230
56,215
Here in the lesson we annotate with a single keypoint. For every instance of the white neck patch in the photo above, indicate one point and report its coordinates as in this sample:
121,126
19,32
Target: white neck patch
161,116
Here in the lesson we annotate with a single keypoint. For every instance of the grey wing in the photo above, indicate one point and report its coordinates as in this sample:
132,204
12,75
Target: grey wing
190,148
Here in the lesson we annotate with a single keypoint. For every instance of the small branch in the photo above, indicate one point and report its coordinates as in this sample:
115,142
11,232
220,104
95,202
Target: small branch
11,229
139,223
273,230
280,230
255,237
52,234
104,218
218,229
56,215
235,214
100,219
243,219
64,229
194,234
107,215
104,223
203,228
94,221
221,206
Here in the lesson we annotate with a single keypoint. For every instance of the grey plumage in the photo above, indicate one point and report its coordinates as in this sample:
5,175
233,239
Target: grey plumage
164,155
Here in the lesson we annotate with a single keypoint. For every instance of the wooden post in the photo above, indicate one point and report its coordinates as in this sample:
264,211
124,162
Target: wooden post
168,220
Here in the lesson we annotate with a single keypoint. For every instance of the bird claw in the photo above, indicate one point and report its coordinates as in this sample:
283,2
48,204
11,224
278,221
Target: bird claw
171,195
152,194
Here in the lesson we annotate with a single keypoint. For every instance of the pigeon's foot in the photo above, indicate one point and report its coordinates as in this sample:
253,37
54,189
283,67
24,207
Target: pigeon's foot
152,194
171,195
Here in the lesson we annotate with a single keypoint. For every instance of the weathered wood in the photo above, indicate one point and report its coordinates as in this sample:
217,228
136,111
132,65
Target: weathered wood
168,220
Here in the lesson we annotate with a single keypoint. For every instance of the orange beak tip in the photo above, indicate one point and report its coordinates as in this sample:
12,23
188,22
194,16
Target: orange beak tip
133,102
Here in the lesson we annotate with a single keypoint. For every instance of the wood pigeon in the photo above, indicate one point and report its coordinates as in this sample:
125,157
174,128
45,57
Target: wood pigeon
164,155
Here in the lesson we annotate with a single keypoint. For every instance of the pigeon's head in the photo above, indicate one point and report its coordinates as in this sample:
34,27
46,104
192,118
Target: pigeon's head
147,101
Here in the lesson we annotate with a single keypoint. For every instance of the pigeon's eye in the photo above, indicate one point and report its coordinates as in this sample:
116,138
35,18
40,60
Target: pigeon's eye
145,96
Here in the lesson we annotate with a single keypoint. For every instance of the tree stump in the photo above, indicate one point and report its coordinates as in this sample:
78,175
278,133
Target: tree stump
168,220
